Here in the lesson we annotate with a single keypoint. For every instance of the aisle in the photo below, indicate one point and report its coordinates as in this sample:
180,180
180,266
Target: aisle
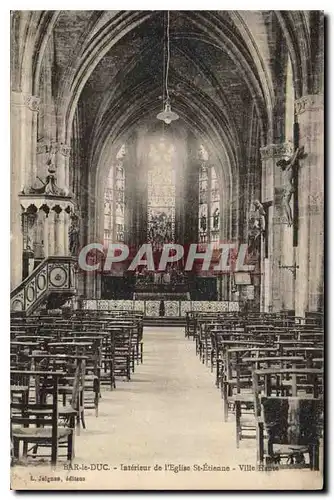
170,411
169,414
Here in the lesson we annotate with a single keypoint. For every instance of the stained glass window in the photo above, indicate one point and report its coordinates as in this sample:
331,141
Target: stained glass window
161,194
209,201
114,201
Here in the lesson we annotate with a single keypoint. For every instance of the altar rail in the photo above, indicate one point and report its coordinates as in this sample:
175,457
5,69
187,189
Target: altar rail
176,308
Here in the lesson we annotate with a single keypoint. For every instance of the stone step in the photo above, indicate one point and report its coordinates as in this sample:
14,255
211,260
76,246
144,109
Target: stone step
164,321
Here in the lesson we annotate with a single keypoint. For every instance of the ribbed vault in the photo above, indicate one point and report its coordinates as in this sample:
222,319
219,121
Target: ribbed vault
107,78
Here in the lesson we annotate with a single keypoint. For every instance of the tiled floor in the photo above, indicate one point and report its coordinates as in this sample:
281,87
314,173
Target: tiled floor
169,414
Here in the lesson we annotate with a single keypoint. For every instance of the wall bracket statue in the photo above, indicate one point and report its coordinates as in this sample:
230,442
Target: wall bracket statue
74,236
257,226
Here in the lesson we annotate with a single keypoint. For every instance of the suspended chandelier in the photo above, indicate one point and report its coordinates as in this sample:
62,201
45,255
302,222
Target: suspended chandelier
167,115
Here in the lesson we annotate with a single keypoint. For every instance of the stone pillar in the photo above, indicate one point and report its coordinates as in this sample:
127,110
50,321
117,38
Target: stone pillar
34,108
90,285
98,285
38,240
288,259
266,268
59,232
51,233
46,235
29,132
62,164
23,109
310,252
267,195
65,235
276,282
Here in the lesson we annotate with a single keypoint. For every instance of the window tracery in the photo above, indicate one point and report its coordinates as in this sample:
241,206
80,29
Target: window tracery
161,194
114,201
209,200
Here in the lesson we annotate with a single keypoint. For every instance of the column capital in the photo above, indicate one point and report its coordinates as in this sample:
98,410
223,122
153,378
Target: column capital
276,150
25,100
64,149
45,146
32,102
309,102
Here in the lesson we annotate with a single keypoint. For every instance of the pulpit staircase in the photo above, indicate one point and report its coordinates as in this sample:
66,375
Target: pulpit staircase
51,284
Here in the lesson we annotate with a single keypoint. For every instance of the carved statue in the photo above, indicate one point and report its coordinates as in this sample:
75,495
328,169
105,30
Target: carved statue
29,225
50,161
121,153
287,167
216,218
73,234
257,226
202,153
203,223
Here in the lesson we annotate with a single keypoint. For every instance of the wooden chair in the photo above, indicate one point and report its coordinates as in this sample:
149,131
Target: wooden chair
38,423
291,423
229,377
70,385
244,399
91,382
288,415
120,339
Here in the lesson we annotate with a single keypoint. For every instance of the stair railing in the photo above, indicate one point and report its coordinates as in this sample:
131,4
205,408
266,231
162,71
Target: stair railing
54,275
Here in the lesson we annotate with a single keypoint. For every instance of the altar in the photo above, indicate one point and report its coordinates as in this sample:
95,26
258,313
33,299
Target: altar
171,279
160,286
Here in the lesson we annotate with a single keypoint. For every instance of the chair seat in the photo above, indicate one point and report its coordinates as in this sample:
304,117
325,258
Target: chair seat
67,410
19,388
247,398
283,449
67,390
243,381
33,433
62,410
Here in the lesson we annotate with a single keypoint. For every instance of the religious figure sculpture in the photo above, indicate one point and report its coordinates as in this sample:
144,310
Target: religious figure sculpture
287,167
50,161
216,218
121,153
73,234
202,153
257,226
203,223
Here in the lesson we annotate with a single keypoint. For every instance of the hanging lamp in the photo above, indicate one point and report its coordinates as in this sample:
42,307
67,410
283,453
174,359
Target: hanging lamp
167,115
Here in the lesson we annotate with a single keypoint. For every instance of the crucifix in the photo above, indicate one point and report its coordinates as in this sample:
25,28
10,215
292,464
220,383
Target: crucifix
289,168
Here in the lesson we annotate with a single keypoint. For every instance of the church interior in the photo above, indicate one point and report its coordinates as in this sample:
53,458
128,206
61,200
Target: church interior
199,132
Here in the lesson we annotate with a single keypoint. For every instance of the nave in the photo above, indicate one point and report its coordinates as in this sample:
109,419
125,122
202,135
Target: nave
196,136
169,413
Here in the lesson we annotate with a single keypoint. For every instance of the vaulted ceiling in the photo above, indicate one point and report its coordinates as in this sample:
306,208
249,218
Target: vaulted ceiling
108,67
217,73
207,85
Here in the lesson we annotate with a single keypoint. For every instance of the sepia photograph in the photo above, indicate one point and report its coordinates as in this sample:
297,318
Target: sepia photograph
167,250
